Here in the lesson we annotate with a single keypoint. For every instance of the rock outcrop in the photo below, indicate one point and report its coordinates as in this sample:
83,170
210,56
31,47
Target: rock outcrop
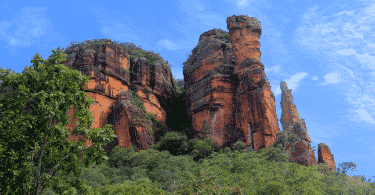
227,87
210,86
289,113
325,156
117,79
299,149
255,110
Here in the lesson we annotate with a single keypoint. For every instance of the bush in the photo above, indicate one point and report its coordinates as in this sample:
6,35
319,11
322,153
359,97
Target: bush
172,142
239,145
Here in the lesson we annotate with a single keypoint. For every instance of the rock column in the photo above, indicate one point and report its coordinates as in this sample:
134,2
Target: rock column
255,110
299,149
289,113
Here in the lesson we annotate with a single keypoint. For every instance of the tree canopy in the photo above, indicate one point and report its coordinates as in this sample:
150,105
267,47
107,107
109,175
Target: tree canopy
29,104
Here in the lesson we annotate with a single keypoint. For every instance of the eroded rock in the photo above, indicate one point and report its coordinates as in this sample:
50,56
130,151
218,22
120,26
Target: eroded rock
255,110
325,156
210,85
109,66
298,150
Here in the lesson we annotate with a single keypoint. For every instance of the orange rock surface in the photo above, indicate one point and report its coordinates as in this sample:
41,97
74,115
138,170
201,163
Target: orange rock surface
299,150
255,110
209,85
289,113
226,88
325,156
106,64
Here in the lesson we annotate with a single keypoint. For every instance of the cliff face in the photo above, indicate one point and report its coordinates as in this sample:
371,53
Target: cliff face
210,86
226,86
112,73
255,110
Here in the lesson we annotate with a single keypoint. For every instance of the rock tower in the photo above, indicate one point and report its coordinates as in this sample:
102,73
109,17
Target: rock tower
255,110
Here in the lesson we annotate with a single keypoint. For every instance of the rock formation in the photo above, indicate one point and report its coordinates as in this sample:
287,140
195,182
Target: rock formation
210,86
227,93
112,73
325,156
299,150
255,110
289,113
227,87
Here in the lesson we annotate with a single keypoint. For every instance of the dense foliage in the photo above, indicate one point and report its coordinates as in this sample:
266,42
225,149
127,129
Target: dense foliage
178,164
32,148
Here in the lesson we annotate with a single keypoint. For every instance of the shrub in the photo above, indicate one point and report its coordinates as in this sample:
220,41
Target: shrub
239,145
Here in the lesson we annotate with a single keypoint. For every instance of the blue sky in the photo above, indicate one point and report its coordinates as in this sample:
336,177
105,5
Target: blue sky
324,51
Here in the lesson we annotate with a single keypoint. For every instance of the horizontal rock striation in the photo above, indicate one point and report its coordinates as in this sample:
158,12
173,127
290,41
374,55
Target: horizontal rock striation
125,88
210,85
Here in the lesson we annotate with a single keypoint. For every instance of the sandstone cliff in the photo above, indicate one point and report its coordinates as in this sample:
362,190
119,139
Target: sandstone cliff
255,110
210,86
226,86
126,85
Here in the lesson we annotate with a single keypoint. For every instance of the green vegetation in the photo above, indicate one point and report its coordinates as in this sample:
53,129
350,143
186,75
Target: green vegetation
32,149
177,164
204,170
133,51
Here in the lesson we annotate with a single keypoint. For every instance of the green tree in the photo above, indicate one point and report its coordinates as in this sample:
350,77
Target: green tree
30,141
345,166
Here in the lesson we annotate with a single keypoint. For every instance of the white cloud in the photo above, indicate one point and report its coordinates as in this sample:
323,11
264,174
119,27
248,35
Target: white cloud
346,52
330,78
292,83
345,39
274,69
242,3
363,115
168,44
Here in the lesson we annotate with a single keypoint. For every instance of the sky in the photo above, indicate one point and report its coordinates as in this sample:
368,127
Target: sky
323,50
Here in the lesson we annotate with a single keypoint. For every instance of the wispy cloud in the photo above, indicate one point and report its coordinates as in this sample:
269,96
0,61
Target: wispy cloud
29,28
292,83
168,44
346,39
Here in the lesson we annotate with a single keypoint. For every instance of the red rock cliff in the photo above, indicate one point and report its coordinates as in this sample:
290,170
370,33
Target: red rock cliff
227,87
255,110
210,86
108,65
